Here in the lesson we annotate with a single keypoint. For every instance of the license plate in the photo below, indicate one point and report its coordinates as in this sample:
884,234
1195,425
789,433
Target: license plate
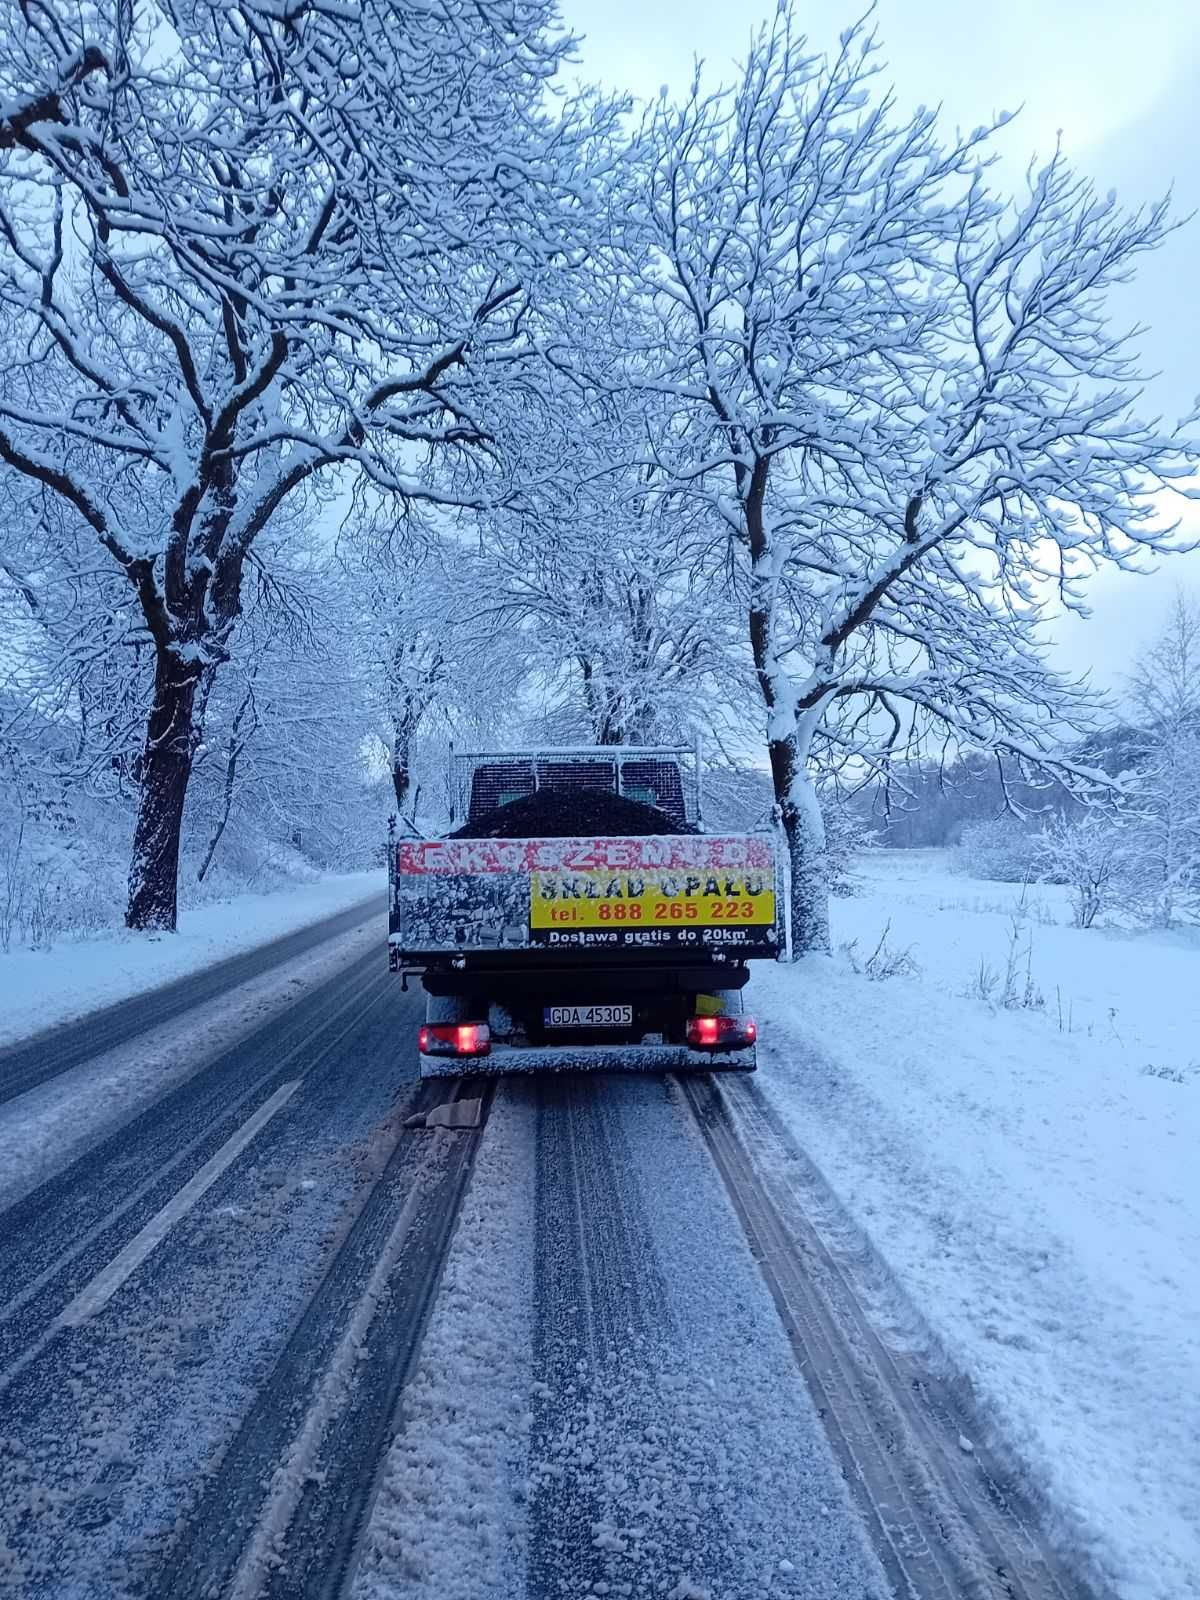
588,1016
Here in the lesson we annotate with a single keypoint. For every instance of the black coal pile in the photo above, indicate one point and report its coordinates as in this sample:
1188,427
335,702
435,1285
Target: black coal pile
571,813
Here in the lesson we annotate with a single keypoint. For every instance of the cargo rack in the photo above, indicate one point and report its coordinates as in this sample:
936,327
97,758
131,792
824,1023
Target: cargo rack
483,779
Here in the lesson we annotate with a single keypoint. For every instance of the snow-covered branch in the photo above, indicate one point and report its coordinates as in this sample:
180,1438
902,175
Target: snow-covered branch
904,400
235,266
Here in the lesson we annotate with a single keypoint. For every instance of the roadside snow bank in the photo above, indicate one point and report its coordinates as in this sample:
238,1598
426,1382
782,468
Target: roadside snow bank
39,988
1030,1175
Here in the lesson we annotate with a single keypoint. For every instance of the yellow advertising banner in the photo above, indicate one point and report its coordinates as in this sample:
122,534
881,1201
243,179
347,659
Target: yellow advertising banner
652,899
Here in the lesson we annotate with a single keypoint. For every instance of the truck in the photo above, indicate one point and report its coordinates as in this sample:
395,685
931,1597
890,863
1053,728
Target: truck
577,916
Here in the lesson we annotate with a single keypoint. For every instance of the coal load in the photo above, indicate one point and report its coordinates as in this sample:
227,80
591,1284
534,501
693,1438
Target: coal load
553,813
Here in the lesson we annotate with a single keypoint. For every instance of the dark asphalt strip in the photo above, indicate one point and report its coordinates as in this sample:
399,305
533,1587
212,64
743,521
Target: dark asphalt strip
118,1420
35,1061
564,1508
946,1522
315,1527
57,1237
604,1337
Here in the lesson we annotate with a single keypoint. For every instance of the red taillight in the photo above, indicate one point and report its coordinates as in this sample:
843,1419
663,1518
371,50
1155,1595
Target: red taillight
721,1033
703,1030
454,1039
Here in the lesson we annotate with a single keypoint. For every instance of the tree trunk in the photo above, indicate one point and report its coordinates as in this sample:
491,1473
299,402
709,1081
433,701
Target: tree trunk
401,761
237,743
787,749
401,778
226,808
166,767
804,831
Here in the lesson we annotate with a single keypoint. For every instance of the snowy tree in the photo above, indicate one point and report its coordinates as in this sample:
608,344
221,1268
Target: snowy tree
280,777
905,401
1094,856
603,562
285,709
625,647
416,679
245,248
436,656
1164,693
846,836
75,669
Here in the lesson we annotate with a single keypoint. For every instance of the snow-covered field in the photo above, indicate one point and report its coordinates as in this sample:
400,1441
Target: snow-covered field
41,987
1014,1121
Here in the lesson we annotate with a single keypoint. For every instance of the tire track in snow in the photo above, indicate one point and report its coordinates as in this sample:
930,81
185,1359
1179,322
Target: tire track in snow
284,1513
654,1439
945,1519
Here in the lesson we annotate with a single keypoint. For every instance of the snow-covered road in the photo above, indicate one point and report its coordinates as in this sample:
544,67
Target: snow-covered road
191,1310
227,1367
113,1418
29,1061
108,979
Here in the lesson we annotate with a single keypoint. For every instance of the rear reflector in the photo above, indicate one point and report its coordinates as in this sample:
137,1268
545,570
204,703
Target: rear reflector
721,1033
455,1039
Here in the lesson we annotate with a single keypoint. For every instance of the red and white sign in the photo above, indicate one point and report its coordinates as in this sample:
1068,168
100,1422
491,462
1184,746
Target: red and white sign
699,852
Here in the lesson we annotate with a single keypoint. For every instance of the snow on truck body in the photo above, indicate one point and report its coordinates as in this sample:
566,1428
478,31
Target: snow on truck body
603,951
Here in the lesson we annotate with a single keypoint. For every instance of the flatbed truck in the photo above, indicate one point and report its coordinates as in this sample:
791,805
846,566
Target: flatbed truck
614,935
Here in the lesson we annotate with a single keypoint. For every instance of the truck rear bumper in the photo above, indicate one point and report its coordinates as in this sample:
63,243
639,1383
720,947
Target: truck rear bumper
508,1059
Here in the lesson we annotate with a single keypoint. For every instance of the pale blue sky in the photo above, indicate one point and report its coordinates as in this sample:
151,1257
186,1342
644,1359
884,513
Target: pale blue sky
1120,80
1090,67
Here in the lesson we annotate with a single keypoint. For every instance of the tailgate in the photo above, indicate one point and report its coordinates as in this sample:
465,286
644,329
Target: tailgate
692,893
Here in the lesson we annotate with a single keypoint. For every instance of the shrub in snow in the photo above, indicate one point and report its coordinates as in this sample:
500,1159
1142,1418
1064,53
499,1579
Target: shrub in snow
1095,856
56,878
886,960
1002,848
1167,1074
1014,989
1165,691
845,836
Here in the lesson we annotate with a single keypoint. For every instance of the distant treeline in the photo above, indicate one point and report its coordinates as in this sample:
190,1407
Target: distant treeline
926,804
